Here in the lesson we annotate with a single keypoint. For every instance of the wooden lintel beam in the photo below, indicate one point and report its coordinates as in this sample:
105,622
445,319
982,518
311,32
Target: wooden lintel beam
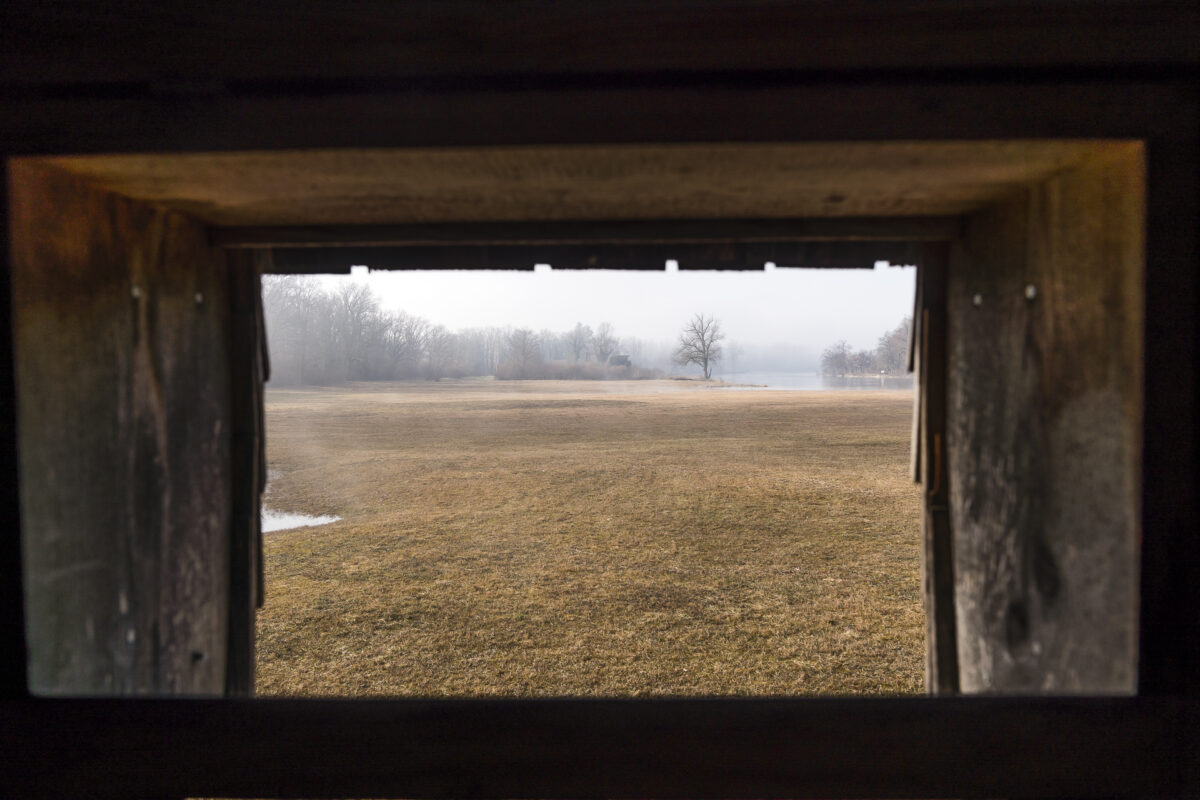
640,232
651,256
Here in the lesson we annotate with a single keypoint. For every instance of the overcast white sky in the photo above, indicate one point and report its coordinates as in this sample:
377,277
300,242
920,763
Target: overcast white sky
808,307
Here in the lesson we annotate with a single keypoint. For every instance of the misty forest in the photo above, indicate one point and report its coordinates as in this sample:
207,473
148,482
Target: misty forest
319,336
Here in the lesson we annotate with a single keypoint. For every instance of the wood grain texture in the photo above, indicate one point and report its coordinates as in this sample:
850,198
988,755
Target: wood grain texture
615,182
1044,434
138,41
123,399
863,109
951,747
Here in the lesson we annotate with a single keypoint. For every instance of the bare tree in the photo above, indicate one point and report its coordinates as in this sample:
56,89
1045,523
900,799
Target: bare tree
579,341
862,362
552,345
604,343
835,360
288,303
493,347
524,354
892,350
700,343
439,352
356,309
405,342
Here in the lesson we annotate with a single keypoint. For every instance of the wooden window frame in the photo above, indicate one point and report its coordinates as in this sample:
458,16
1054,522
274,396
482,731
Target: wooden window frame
977,746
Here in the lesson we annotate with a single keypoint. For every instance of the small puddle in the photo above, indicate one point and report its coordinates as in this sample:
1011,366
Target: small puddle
282,521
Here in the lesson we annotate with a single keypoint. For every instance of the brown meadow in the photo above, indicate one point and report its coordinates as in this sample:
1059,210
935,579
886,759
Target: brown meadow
591,538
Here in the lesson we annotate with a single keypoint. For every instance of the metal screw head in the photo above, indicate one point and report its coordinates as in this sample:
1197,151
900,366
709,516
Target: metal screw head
977,300
1030,291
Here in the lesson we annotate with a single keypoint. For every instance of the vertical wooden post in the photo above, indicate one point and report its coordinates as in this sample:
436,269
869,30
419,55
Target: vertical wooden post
914,366
120,329
941,647
1044,425
247,372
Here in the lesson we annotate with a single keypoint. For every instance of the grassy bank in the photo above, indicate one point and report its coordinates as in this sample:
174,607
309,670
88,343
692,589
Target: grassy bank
553,538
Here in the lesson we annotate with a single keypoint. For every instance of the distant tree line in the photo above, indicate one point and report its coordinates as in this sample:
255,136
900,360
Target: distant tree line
319,336
890,355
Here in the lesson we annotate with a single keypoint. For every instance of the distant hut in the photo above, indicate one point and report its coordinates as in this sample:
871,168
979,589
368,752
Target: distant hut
619,360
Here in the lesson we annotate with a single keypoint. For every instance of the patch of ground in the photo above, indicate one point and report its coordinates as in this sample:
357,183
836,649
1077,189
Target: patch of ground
591,538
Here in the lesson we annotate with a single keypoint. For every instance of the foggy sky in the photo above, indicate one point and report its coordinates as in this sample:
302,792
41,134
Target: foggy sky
808,307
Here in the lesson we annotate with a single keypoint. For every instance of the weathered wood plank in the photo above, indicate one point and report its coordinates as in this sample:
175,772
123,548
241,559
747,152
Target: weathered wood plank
864,110
248,470
131,41
1044,434
767,182
937,557
120,334
666,231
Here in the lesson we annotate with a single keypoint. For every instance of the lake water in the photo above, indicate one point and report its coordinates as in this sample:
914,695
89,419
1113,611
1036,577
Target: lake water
282,521
809,381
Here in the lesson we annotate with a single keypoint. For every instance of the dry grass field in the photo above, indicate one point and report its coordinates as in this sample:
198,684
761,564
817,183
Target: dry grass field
591,538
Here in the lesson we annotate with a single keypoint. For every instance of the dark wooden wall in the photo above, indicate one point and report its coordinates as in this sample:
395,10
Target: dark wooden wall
121,319
133,76
130,41
1044,419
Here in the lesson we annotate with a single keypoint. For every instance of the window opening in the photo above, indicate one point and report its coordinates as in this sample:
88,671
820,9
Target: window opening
532,489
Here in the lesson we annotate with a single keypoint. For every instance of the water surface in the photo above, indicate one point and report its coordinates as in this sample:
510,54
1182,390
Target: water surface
282,520
811,381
